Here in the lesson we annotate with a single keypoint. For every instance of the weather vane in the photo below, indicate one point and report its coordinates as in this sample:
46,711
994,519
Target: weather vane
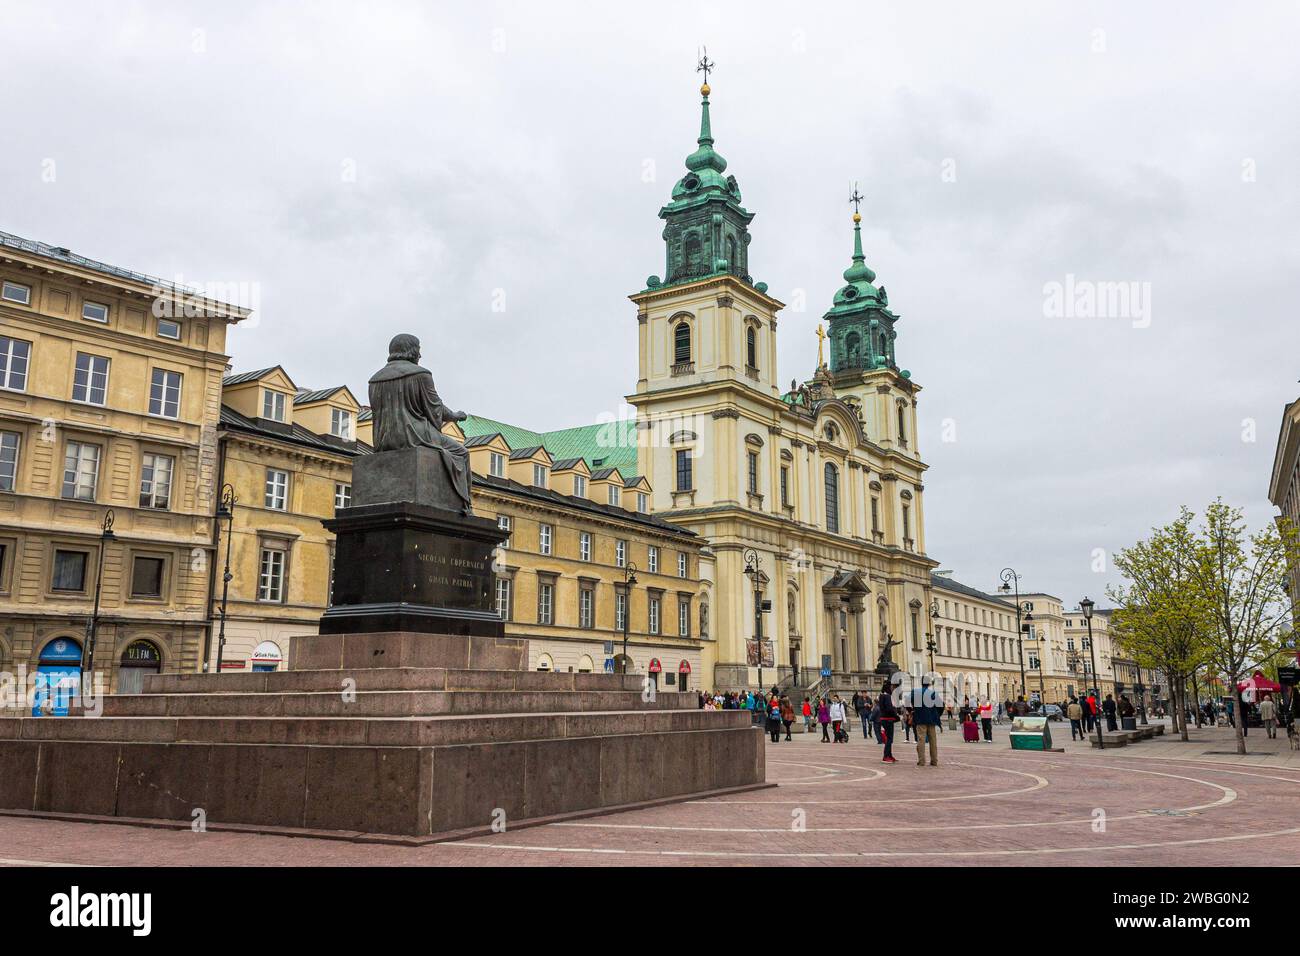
705,65
855,199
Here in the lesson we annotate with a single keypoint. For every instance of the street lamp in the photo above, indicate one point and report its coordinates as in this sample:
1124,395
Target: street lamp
1038,643
1010,577
752,565
629,579
92,626
226,512
1086,605
1141,690
931,645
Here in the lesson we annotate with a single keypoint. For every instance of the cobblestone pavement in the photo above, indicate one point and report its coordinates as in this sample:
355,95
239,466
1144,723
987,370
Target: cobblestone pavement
1162,802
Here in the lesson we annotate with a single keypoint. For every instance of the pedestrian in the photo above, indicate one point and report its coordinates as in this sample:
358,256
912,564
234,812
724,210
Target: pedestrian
986,719
837,719
1126,710
1268,716
888,717
1108,708
926,719
774,723
787,715
1075,713
906,721
875,722
864,714
807,716
824,718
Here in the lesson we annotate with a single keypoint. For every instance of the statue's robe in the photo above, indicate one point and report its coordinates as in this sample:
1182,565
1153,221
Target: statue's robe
408,414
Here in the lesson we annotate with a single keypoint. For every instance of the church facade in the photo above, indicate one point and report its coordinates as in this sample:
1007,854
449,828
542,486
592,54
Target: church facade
811,496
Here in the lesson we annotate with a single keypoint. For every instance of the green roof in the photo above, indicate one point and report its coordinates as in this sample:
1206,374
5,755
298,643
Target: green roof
603,445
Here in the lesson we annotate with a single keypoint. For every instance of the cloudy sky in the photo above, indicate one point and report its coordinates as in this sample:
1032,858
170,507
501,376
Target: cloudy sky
488,176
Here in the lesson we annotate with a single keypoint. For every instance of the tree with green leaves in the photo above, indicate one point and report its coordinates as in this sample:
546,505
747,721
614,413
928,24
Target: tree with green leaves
1161,617
1241,577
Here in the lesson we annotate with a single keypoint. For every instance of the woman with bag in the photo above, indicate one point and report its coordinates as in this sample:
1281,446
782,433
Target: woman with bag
888,717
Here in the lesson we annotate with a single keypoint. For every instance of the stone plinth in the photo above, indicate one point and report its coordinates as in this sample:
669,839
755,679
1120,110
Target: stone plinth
393,736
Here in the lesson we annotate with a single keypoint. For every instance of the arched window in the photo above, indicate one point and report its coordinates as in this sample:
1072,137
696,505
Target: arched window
832,498
694,255
732,264
682,343
545,663
853,350
585,664
751,346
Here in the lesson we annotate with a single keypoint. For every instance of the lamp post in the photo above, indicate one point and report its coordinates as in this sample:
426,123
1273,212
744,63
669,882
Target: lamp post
226,511
92,626
752,565
629,579
932,645
1038,643
1010,577
1141,690
1086,605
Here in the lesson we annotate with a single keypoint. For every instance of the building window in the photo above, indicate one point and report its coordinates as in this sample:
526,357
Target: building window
907,524
497,465
620,610
902,424
652,558
342,495
270,579
14,356
277,489
652,614
620,554
614,494
165,393
169,329
15,292
9,442
682,343
586,608
80,471
341,423
503,598
147,577
505,524
273,405
785,486
752,471
751,347
683,617
642,503
916,632
584,546
69,571
156,481
545,603
832,498
94,311
683,469
539,476
90,380
681,565
580,486
544,538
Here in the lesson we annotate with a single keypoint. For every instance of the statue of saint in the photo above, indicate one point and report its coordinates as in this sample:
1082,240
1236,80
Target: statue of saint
886,653
409,414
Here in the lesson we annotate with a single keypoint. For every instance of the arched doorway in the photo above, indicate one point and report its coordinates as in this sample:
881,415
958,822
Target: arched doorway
139,658
585,664
623,664
58,675
654,670
266,656
545,663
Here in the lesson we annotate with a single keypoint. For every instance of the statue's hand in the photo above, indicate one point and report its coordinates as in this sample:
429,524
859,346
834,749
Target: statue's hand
458,416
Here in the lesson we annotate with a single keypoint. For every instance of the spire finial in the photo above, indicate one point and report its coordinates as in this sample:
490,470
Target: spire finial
705,66
855,200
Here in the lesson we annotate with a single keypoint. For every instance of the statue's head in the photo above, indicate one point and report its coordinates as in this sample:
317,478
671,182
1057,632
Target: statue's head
405,347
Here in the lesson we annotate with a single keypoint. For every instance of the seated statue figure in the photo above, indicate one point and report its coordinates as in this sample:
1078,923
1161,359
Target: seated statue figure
409,414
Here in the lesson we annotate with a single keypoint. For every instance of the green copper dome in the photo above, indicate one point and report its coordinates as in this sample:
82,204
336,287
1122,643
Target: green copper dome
859,277
861,326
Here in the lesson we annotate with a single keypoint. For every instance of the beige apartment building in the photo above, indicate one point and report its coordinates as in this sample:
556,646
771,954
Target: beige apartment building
1284,486
110,393
976,650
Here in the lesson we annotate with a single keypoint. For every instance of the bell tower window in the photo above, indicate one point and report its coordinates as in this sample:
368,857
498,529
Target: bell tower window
682,343
832,498
751,348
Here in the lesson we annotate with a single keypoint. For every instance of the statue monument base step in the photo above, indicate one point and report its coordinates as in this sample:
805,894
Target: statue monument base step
394,736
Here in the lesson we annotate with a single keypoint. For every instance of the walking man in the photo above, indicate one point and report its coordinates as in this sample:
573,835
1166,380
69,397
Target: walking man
1268,716
1075,713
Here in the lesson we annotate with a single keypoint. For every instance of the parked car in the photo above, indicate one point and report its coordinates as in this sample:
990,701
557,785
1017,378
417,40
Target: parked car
1051,712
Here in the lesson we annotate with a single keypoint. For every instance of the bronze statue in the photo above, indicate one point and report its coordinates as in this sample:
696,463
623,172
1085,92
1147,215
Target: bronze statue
409,414
886,653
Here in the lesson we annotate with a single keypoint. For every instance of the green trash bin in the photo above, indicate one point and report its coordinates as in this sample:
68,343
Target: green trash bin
1031,733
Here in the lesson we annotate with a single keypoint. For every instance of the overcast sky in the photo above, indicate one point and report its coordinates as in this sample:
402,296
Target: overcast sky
488,177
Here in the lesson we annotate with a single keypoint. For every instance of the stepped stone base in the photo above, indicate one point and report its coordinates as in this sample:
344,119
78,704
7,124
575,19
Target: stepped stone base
416,736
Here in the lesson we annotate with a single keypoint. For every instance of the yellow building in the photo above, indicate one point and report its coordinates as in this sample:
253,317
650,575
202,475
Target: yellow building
1079,656
977,651
1284,488
817,490
286,453
110,390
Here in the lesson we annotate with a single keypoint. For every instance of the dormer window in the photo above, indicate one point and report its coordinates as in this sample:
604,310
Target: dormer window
614,494
579,486
273,405
642,502
341,423
497,465
539,476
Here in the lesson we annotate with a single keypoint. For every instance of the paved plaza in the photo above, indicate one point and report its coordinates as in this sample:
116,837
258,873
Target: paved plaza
1162,802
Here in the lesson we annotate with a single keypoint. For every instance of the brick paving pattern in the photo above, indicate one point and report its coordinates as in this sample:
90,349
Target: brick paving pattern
1164,802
